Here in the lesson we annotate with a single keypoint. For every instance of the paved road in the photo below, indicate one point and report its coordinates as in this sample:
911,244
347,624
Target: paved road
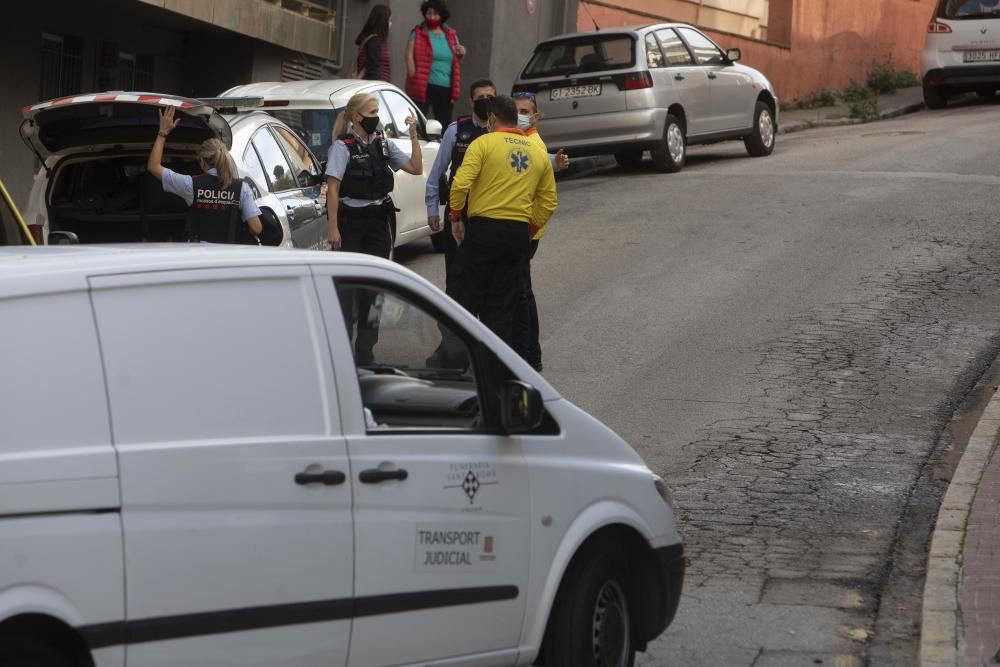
785,340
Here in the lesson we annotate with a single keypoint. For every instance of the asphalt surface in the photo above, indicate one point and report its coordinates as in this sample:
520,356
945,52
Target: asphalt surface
788,341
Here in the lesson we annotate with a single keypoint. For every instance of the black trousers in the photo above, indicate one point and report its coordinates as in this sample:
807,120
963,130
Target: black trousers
526,330
450,251
369,230
488,271
438,99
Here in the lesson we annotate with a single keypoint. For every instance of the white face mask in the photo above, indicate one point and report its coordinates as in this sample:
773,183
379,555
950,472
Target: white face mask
523,122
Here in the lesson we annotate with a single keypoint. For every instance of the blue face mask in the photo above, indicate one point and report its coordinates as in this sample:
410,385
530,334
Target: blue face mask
523,122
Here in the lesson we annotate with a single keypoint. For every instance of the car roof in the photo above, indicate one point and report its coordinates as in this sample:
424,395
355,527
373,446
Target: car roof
65,267
300,93
618,30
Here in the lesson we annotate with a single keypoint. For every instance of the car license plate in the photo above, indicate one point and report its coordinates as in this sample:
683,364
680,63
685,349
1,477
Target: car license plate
981,56
592,90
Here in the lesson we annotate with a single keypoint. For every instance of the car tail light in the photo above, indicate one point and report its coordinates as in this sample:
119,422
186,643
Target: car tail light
638,81
935,79
937,27
275,103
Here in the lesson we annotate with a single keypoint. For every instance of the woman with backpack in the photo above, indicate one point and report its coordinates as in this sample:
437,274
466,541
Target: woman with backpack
373,45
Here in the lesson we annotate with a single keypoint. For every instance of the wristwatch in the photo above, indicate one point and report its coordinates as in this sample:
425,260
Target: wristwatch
163,134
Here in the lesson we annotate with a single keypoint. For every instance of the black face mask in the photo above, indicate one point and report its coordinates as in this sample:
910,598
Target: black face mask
483,107
369,123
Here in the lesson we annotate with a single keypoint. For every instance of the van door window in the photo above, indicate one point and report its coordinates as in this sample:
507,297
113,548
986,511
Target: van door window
414,368
674,49
280,176
314,126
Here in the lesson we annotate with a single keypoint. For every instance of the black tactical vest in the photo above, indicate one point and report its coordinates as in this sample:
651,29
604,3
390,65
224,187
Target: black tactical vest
368,175
466,132
215,213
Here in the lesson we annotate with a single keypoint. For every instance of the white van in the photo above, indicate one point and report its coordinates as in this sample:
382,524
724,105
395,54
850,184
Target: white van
193,471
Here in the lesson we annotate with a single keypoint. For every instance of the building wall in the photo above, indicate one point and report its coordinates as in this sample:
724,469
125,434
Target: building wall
830,42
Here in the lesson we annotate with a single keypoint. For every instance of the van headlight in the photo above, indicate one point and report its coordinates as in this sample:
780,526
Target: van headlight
661,488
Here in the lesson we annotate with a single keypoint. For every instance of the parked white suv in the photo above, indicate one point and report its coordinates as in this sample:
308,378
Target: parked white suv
962,51
194,468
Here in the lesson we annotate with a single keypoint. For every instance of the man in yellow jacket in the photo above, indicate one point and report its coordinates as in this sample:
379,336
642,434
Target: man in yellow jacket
506,180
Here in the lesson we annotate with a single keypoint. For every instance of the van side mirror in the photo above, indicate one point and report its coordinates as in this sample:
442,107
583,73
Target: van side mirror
63,238
434,129
733,55
520,407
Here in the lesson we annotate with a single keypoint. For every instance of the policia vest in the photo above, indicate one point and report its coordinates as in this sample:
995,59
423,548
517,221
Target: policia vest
214,216
466,132
368,175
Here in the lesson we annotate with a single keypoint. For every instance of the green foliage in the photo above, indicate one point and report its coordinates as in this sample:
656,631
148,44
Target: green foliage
885,79
855,92
820,98
866,108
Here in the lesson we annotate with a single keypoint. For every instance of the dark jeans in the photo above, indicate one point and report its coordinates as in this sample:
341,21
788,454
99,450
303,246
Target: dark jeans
371,231
438,99
526,332
488,272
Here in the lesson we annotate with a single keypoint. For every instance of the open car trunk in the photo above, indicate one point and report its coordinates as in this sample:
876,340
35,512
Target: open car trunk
115,200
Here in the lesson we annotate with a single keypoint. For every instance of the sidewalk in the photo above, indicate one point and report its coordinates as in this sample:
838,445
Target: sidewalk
903,101
961,606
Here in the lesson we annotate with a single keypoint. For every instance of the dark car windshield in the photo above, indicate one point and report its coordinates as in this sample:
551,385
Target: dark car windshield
592,53
314,127
969,9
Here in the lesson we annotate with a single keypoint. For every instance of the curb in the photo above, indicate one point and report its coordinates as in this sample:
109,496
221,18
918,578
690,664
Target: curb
800,125
941,631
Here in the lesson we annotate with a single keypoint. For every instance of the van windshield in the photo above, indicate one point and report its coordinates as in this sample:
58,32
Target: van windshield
314,127
969,9
591,53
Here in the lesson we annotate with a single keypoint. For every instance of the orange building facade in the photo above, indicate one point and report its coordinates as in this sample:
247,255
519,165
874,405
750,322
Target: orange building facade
801,45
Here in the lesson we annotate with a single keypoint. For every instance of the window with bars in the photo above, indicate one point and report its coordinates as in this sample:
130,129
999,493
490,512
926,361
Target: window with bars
121,70
62,66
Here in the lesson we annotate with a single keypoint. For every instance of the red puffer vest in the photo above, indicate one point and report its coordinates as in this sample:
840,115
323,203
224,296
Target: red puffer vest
423,55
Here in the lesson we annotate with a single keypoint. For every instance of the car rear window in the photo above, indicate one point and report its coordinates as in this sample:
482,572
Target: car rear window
314,126
969,9
593,53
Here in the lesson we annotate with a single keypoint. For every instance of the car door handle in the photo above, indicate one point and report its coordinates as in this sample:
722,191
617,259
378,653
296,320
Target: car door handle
376,476
678,77
327,477
711,75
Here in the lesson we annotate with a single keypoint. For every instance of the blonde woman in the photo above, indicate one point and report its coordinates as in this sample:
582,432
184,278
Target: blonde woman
362,217
217,197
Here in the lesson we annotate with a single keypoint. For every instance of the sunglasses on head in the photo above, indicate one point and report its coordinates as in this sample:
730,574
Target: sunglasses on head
523,94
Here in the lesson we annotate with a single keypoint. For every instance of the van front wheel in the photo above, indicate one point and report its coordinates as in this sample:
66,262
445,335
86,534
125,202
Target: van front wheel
760,142
29,652
591,621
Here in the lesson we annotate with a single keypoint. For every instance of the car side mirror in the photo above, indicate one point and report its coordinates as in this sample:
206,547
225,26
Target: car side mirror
434,129
520,407
63,238
734,55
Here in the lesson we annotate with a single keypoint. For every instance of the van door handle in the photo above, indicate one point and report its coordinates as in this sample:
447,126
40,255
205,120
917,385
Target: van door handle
678,77
711,75
327,477
376,476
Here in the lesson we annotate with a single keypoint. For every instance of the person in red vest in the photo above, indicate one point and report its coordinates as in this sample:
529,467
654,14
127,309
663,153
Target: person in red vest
373,45
433,62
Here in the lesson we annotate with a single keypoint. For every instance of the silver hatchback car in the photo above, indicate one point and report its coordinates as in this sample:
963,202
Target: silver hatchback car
658,87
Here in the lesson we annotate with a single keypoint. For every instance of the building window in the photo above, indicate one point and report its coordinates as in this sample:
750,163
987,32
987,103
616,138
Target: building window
120,70
62,66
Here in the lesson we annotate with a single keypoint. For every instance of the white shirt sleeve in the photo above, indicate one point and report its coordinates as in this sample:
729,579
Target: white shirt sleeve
181,185
248,205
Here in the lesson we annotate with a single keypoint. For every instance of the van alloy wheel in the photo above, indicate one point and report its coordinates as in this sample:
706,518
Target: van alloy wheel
671,151
760,141
765,126
675,143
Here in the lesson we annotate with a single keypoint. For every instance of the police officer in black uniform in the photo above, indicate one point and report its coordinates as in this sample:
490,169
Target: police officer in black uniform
218,198
362,216
455,142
